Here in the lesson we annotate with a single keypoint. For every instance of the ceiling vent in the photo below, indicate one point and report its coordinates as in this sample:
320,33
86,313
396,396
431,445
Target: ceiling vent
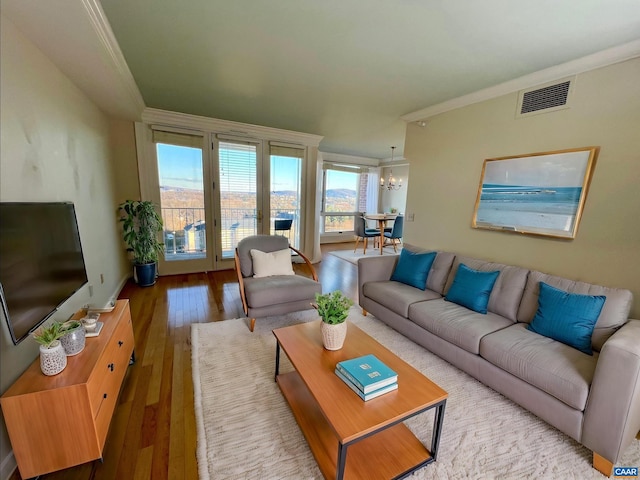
548,98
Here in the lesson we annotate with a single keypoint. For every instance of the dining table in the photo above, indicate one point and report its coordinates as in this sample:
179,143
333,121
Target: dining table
382,219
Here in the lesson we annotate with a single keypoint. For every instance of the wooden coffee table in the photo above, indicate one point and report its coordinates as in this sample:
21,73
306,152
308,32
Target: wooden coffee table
335,421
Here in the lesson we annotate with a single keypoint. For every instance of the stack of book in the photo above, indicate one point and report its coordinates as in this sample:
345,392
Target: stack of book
367,376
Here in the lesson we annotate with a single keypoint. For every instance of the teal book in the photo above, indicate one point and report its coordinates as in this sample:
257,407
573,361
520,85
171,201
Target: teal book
367,373
370,395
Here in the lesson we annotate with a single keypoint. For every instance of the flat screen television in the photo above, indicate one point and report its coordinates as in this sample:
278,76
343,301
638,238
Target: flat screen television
41,262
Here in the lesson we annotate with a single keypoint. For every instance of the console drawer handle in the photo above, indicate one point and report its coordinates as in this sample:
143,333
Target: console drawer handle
111,366
120,343
104,395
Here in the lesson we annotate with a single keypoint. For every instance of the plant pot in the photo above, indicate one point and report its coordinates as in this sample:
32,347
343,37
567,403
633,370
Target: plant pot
146,274
333,335
53,360
73,342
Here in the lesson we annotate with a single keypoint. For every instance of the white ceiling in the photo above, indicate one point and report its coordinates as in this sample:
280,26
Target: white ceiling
344,69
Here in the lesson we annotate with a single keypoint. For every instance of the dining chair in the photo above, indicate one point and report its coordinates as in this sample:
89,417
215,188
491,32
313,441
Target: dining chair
283,226
364,233
266,289
396,232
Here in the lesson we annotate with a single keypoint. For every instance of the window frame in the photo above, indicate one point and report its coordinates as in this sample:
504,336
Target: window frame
352,214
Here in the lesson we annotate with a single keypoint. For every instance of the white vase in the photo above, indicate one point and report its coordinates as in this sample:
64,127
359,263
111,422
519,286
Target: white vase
333,335
53,360
74,341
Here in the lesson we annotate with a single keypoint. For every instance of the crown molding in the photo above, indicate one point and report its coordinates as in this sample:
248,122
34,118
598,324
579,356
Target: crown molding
600,59
108,40
154,116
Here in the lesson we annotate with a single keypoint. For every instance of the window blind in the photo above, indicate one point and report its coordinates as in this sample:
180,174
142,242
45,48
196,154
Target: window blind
181,139
277,150
345,168
237,166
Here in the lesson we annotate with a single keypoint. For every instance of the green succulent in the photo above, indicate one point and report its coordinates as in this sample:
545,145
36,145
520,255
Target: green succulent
333,307
70,325
47,336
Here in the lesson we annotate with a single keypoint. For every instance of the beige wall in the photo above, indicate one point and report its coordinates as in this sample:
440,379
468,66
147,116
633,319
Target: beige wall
124,160
55,146
446,160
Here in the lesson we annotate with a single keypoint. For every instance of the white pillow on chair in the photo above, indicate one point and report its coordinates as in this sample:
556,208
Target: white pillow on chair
271,263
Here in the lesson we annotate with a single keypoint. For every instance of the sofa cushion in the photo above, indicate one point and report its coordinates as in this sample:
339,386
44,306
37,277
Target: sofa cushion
551,366
437,278
413,268
455,324
567,317
397,296
613,315
277,289
508,289
471,288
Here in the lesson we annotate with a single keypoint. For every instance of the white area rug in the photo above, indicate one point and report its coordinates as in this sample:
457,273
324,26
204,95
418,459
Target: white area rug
246,430
353,257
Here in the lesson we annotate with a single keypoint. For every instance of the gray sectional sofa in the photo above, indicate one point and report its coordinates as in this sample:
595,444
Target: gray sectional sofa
593,399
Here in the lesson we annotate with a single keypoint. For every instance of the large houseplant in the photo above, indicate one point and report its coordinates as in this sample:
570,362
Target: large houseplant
333,309
141,224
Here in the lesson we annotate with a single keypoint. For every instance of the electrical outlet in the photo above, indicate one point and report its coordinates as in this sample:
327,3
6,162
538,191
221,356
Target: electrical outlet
91,290
411,217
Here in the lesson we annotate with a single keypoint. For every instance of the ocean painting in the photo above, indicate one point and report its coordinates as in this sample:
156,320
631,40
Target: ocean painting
540,194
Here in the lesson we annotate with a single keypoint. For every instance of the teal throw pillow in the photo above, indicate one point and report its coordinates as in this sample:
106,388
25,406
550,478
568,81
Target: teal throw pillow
472,288
567,317
413,268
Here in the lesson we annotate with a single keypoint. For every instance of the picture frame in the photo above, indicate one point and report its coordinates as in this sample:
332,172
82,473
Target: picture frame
536,193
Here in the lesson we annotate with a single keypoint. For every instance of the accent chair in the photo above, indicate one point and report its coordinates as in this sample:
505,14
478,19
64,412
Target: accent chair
264,294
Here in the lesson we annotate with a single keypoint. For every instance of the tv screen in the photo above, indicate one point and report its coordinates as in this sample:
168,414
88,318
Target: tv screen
41,262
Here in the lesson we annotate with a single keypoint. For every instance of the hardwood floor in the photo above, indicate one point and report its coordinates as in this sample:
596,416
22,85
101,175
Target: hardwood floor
153,432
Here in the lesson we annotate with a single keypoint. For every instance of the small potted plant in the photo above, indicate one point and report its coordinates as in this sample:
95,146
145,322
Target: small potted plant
141,224
333,309
53,358
73,337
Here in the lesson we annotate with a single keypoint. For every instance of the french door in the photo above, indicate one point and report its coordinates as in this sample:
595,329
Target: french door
184,195
238,195
213,191
257,193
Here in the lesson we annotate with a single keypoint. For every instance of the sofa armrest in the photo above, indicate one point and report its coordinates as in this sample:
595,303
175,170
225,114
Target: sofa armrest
612,414
375,269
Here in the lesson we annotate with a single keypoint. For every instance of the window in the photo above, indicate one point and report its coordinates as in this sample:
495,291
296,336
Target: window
239,203
181,185
340,199
286,196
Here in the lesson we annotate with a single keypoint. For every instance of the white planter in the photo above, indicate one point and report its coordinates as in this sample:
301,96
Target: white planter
53,360
333,335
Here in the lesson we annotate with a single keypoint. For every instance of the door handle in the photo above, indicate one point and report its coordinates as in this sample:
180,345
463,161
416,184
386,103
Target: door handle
259,215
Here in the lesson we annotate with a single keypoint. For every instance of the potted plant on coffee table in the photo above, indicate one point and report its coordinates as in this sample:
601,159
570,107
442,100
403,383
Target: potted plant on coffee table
141,224
53,358
333,309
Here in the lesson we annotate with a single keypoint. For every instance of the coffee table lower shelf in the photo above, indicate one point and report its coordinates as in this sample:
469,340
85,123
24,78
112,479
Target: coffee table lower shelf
390,453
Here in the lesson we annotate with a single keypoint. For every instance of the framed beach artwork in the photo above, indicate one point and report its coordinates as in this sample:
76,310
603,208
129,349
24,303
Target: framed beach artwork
537,193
